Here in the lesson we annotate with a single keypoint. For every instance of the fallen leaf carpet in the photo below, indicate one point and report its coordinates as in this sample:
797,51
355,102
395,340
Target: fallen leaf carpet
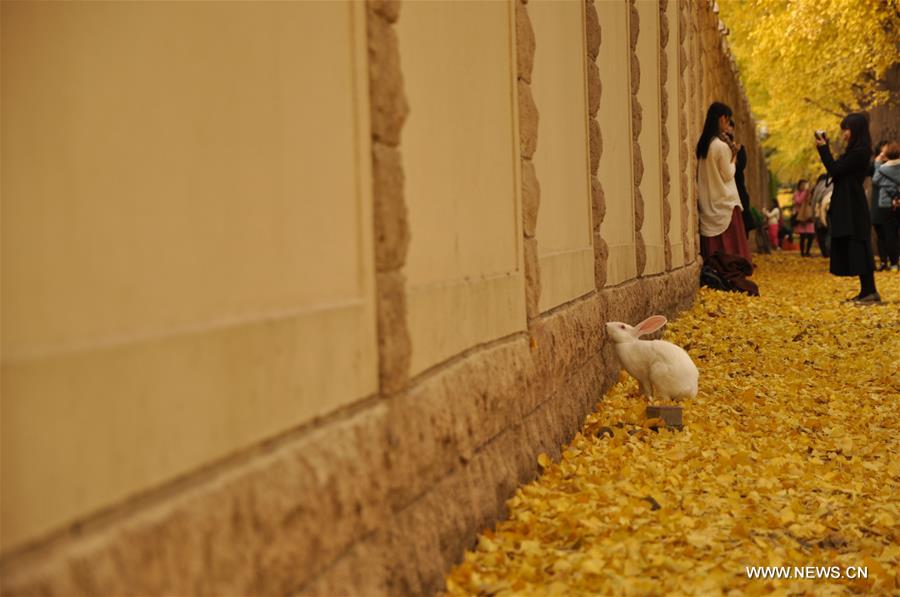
789,456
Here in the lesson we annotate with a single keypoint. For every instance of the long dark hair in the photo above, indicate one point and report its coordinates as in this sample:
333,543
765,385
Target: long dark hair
858,126
711,127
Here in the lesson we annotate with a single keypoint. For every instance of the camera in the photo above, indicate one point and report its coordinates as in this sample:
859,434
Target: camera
820,135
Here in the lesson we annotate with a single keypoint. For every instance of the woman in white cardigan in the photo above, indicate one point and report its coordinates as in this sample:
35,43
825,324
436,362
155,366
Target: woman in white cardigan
721,221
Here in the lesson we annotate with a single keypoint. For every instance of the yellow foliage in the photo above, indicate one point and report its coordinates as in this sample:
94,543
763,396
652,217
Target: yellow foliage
789,456
830,51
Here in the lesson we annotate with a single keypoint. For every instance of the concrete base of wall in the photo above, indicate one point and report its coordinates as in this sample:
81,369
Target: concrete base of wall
381,498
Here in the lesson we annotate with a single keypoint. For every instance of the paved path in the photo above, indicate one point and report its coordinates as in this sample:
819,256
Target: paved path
790,456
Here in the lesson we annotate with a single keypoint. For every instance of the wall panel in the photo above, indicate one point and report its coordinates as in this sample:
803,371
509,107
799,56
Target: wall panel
562,160
460,151
174,174
614,116
650,138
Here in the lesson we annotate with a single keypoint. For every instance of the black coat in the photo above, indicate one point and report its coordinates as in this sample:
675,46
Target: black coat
740,164
849,209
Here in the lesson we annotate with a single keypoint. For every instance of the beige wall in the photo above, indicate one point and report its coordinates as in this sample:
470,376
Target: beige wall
186,248
460,144
561,160
650,138
614,116
188,269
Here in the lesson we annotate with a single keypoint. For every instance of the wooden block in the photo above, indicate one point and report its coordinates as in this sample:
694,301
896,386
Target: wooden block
671,414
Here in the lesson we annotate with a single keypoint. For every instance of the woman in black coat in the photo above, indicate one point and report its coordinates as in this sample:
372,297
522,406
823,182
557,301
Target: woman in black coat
740,165
851,241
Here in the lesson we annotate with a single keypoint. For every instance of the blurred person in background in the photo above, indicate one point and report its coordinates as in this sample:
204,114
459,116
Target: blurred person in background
887,180
805,214
851,228
773,221
763,245
740,165
786,231
821,198
878,215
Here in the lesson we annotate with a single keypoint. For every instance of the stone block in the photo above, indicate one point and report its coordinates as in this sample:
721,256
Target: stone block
635,25
389,107
664,146
394,344
595,87
638,209
425,441
663,105
637,113
625,303
592,31
525,43
422,533
531,198
442,421
528,120
541,431
566,339
596,144
635,65
667,208
389,209
532,278
365,571
601,260
598,203
640,250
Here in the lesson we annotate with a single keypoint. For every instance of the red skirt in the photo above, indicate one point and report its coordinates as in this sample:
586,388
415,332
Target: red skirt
733,241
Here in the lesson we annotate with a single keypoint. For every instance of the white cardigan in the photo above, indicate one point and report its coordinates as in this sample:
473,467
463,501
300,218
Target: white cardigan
717,193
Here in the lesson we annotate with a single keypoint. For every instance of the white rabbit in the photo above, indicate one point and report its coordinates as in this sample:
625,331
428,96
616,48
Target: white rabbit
659,366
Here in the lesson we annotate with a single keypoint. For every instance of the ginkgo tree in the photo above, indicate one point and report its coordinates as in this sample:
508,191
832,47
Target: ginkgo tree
806,63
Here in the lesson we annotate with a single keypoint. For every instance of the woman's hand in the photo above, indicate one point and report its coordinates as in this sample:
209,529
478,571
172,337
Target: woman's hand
820,141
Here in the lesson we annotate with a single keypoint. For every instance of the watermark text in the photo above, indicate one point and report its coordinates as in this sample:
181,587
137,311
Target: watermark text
813,572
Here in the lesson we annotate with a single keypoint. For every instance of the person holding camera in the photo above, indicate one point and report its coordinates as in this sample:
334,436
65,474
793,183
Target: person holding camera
719,204
851,237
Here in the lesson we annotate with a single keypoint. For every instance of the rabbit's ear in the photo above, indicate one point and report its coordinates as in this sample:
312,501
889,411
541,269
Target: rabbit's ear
650,325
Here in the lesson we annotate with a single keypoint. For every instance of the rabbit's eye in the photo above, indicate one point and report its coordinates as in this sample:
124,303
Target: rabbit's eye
622,326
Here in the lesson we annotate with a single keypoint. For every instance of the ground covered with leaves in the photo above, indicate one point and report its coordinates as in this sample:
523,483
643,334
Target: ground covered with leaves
789,457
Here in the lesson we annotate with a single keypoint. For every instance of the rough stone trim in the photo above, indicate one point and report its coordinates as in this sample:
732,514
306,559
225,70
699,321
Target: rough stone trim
640,247
664,136
528,132
595,91
389,110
